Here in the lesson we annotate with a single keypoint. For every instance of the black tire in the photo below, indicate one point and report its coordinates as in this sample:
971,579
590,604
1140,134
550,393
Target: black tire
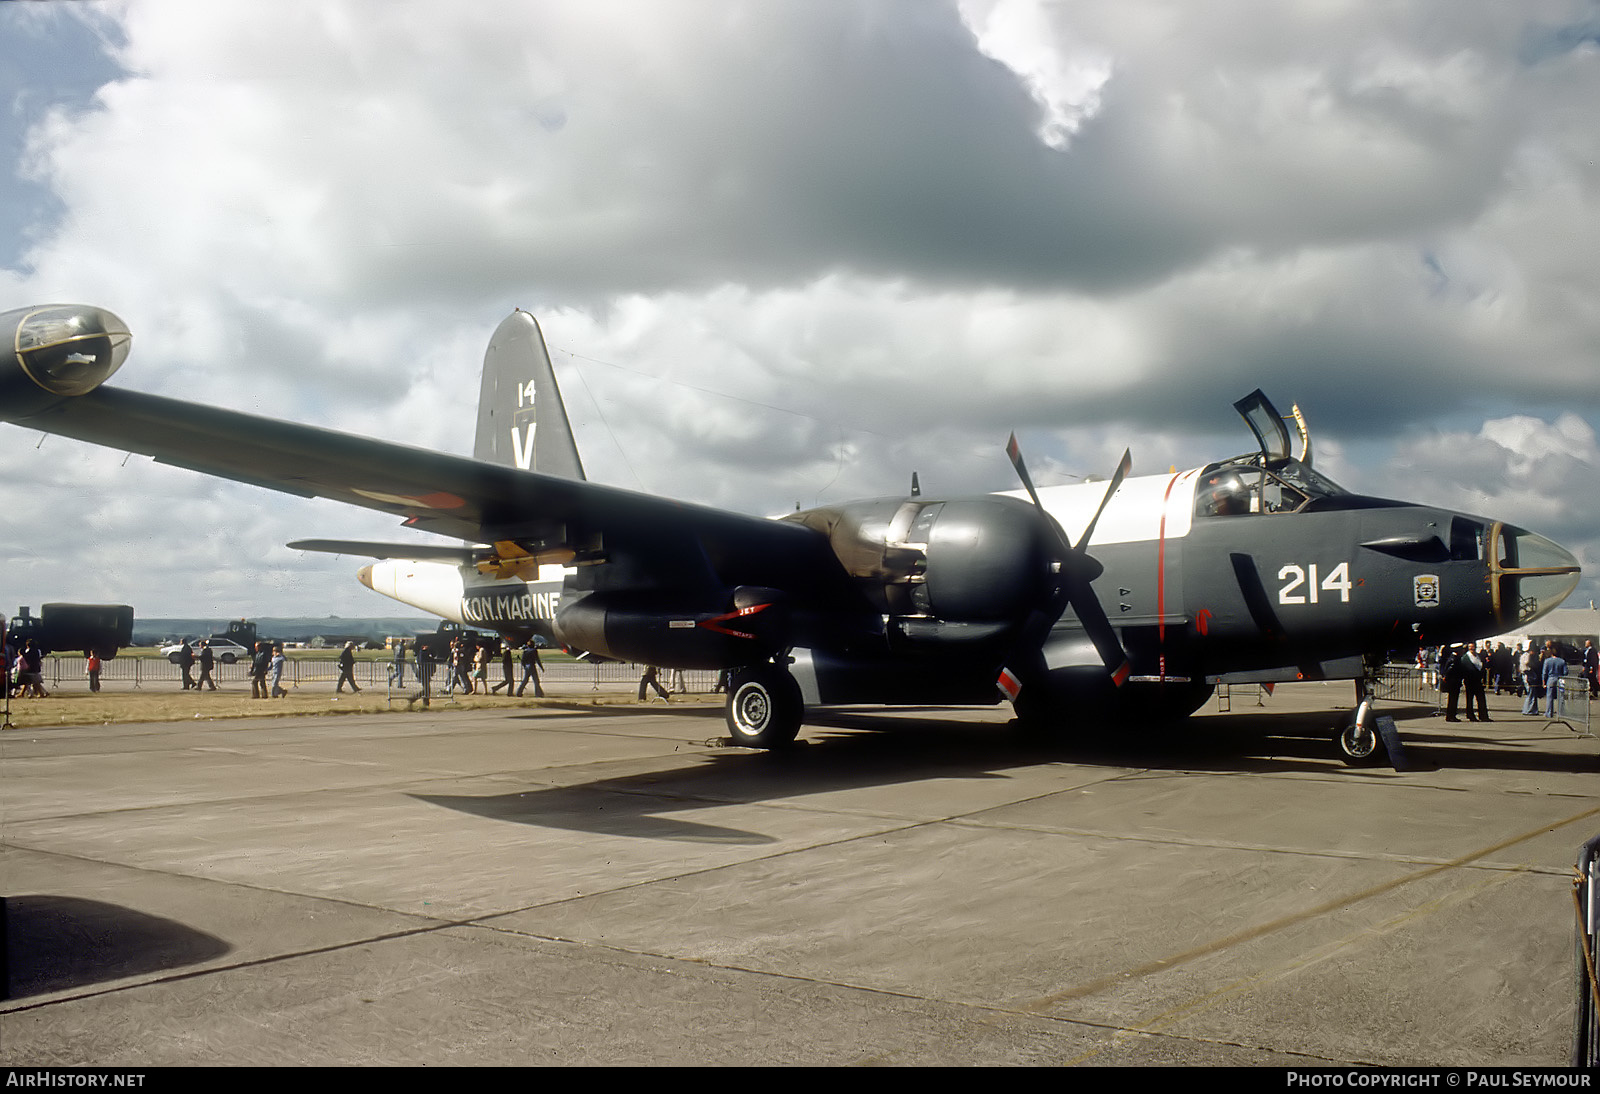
1358,745
1156,705
228,659
764,707
1038,718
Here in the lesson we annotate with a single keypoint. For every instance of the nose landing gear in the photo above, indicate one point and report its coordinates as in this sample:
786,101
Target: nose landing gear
1358,741
1365,739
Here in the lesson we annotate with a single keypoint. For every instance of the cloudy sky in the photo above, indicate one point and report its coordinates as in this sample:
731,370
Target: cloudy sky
788,252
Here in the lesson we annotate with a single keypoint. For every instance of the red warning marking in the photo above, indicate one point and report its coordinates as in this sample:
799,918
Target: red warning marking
1009,684
716,621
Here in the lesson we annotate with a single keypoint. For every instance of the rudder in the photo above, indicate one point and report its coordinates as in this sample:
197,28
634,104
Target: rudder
522,421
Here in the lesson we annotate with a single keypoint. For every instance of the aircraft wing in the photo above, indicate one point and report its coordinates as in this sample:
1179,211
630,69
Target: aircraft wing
673,542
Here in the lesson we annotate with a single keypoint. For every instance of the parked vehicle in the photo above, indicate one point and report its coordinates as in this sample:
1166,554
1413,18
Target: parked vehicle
225,651
62,628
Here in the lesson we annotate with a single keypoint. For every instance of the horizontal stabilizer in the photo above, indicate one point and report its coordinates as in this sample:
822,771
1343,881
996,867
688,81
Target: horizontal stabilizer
416,552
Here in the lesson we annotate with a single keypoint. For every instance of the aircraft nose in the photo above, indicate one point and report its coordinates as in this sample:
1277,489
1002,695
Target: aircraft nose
1535,575
364,575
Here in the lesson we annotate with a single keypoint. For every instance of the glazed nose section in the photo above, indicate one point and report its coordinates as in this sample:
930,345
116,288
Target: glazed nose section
70,349
1534,551
55,352
1532,575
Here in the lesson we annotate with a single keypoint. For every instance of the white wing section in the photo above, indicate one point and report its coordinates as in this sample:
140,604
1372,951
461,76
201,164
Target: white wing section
1135,513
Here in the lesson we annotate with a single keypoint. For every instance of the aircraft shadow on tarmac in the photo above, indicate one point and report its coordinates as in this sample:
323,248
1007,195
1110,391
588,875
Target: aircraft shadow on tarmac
834,756
1515,747
606,808
1261,742
54,943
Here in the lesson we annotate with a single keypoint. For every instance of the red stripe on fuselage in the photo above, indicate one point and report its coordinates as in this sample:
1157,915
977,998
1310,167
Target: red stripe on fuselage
1161,580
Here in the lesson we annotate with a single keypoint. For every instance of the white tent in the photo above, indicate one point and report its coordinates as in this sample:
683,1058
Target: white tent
1572,624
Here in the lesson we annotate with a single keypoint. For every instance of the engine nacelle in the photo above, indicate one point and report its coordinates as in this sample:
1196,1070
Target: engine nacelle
969,560
671,630
53,352
987,560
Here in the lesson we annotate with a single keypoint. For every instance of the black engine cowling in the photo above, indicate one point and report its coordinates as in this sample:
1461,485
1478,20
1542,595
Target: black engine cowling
975,561
986,560
54,352
675,630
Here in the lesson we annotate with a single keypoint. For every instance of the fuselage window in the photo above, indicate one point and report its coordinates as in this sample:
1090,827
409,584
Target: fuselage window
1466,540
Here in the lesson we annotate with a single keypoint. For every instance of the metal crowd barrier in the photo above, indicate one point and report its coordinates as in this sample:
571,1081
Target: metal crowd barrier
1404,684
142,671
685,681
1572,705
1586,971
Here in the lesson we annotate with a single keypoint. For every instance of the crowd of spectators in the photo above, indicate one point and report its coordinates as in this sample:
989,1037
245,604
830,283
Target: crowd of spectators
1531,673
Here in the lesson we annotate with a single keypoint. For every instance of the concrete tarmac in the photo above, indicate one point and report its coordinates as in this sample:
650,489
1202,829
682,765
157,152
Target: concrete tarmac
573,884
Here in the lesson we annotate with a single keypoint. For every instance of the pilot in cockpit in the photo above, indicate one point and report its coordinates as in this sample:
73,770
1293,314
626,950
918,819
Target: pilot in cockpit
1224,494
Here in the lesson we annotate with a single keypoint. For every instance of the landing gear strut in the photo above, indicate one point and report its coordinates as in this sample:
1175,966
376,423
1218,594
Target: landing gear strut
1357,737
764,706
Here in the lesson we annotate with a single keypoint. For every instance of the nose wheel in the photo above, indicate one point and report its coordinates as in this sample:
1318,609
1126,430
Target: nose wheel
1358,743
1358,738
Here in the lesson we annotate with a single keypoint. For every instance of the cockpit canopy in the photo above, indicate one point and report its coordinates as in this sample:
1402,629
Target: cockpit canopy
1244,486
1268,481
1267,424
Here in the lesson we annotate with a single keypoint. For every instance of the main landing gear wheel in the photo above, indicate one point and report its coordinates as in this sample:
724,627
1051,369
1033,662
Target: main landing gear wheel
1358,743
764,707
1038,718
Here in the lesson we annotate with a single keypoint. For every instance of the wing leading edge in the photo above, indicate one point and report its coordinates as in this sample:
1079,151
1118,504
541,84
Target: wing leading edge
451,495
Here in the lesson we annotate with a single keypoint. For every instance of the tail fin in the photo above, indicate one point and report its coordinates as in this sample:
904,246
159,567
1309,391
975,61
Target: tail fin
515,428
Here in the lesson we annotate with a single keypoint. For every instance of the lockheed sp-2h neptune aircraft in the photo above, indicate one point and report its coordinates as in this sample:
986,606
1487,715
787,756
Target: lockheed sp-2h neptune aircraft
1129,598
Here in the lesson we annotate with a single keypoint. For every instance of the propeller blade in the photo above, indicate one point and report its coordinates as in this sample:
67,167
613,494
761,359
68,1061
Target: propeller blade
1100,631
1123,467
1014,450
1077,570
1068,557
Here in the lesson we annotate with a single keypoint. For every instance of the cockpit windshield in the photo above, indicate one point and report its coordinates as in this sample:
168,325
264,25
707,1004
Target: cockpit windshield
1243,486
